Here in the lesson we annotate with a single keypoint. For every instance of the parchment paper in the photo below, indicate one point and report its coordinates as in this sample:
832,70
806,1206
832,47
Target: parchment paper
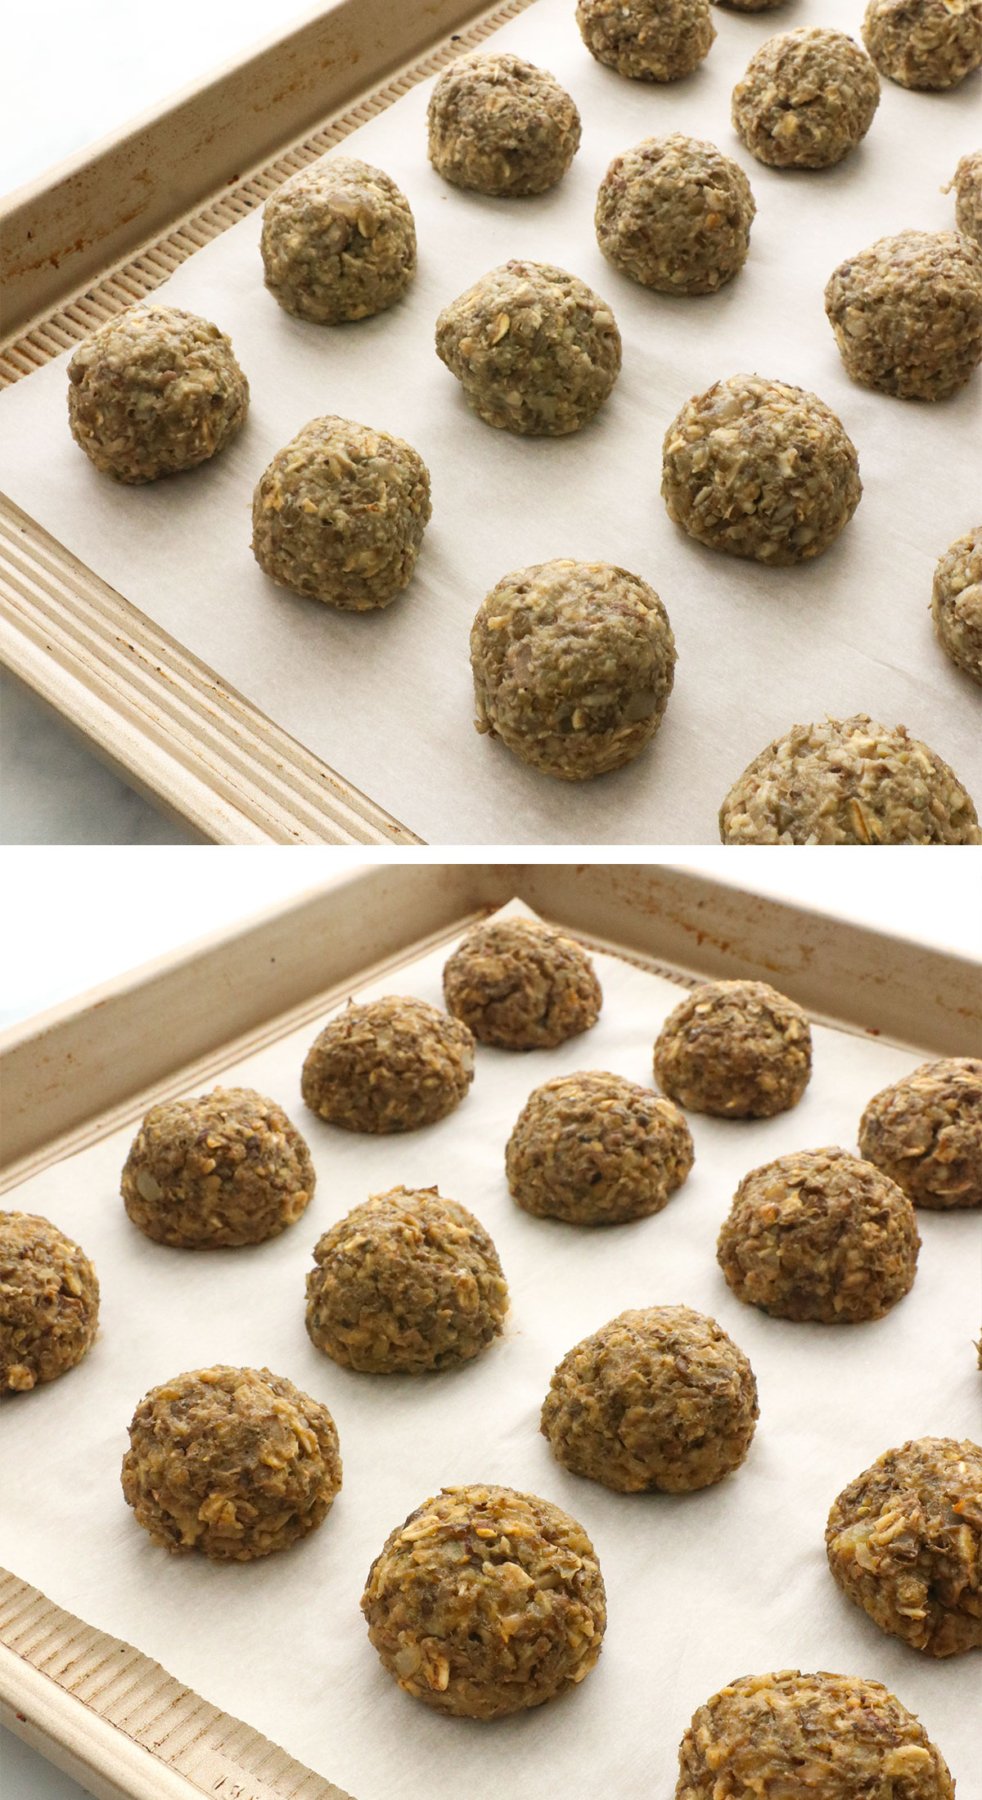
700,1588
387,699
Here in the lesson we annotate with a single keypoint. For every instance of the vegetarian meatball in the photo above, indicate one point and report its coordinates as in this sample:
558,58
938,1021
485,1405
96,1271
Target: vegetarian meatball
738,1049
486,1602
967,183
49,1302
520,985
390,1065
675,214
647,40
819,1235
925,1132
807,99
338,242
924,43
956,602
501,126
907,313
595,1149
154,391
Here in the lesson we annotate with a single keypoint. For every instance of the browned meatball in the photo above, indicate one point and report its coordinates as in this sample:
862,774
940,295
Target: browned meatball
520,985
925,1132
49,1302
595,1149
392,1065
738,1049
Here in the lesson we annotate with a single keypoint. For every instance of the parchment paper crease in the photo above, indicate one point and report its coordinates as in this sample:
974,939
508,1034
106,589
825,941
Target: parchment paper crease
700,1588
387,700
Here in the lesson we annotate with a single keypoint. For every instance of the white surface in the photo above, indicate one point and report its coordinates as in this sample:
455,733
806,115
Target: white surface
758,649
700,1588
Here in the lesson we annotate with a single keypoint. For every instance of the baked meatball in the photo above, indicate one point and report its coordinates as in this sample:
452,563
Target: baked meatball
675,215
760,469
338,242
848,781
595,1149
235,1463
956,602
807,99
647,40
967,183
658,1399
339,514
227,1168
907,313
738,1049
520,985
819,1235
573,666
501,126
924,43
389,1065
925,1132
535,350
405,1283
834,1737
486,1602
154,391
904,1541
49,1302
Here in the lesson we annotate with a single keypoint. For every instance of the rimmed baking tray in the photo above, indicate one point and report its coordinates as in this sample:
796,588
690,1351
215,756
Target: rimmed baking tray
99,1707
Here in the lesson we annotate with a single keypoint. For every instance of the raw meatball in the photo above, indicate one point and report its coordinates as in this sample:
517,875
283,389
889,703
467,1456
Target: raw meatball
338,242
675,214
819,1235
967,183
535,350
836,1737
154,391
807,99
924,43
904,1541
486,1602
340,513
501,126
595,1149
658,1399
225,1169
925,1132
907,313
648,40
761,469
235,1463
573,665
405,1283
956,602
738,1049
519,985
49,1302
391,1065
848,781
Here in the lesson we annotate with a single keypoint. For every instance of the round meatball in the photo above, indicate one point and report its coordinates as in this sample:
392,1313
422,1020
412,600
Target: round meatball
405,1283
227,1168
501,126
904,1541
535,350
907,313
154,391
819,1235
49,1302
486,1602
807,98
925,1132
765,1737
675,214
967,183
956,602
390,1065
235,1463
339,514
573,666
520,985
738,1049
760,469
848,781
647,40
338,242
659,1399
924,43
595,1149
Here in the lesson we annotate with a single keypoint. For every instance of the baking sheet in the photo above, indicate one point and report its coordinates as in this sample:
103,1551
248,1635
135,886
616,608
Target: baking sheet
700,1588
386,700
